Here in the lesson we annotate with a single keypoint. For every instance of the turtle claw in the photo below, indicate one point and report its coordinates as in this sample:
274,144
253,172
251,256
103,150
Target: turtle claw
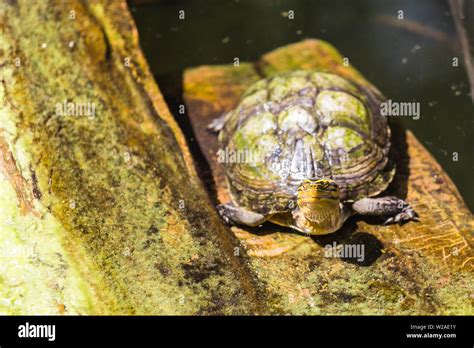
217,124
407,214
222,212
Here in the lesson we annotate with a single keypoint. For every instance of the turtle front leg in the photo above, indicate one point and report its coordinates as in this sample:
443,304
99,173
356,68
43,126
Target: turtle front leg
396,209
237,215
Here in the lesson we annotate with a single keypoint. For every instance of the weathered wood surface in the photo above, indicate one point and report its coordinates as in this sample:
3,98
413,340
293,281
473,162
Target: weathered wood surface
106,213
418,268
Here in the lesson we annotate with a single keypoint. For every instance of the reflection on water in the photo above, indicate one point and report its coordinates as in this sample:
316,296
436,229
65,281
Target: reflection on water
409,60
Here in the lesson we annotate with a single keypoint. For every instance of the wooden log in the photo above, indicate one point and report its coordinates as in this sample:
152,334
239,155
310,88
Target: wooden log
419,268
101,211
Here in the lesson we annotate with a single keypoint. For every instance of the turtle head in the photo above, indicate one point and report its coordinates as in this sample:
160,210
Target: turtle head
316,198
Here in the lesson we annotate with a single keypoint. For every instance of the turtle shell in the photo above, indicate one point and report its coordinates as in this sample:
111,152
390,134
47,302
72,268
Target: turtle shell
302,125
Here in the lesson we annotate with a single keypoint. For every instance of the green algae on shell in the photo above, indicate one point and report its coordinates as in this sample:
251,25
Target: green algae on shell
299,120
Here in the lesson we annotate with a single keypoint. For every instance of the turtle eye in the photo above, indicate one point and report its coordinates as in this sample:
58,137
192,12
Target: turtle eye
322,184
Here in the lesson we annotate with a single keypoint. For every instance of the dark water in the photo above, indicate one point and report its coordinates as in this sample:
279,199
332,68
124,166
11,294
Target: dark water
408,60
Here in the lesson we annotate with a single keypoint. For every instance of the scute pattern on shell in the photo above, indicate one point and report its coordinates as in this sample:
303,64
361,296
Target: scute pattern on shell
304,124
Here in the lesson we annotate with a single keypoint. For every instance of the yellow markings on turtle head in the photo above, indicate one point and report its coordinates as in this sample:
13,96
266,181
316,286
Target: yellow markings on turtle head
324,188
318,184
315,198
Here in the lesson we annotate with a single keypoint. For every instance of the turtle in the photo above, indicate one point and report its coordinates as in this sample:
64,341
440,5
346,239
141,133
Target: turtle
307,150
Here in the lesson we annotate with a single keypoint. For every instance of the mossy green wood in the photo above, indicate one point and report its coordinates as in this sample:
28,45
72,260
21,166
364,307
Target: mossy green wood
100,214
419,268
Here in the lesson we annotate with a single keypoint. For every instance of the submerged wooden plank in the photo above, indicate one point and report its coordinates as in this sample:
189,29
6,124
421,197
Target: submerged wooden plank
417,268
105,204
